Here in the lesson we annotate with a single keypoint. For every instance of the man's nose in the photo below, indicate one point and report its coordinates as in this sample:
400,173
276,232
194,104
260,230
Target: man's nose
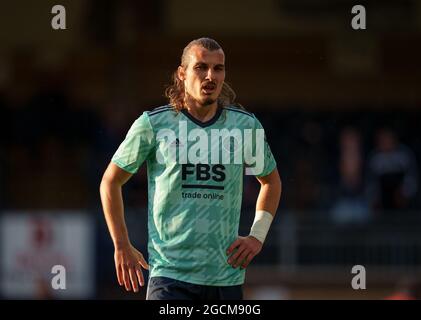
210,74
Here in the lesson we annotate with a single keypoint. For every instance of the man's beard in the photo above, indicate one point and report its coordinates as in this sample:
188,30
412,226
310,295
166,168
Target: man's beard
203,102
207,102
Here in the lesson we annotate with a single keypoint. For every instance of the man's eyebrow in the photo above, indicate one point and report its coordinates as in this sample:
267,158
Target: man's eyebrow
205,64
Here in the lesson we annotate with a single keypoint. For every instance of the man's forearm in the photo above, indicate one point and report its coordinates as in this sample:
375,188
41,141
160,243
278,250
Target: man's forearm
267,204
112,204
268,199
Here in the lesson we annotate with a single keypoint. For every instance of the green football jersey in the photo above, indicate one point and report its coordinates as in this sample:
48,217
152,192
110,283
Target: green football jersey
195,185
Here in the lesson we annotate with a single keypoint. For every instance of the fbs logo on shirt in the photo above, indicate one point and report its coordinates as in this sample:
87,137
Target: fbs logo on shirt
204,172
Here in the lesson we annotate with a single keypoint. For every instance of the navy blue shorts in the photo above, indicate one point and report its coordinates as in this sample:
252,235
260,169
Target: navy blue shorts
163,288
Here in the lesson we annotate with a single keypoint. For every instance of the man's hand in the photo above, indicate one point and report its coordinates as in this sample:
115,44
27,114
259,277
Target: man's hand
247,248
128,264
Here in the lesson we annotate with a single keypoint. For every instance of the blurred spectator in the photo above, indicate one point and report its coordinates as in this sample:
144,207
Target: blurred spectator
308,169
392,174
351,205
4,127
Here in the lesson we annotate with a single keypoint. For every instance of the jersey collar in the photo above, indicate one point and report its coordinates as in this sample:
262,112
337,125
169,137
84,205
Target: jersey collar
201,123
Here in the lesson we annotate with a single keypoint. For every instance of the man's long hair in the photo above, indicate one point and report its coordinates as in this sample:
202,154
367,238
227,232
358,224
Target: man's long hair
175,92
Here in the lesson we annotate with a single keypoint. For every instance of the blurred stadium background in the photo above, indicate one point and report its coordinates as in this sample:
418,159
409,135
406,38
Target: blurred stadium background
341,110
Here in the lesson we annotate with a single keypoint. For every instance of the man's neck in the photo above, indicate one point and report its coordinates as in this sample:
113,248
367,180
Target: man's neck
202,113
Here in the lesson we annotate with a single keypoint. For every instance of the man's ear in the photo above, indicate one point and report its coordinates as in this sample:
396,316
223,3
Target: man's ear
181,73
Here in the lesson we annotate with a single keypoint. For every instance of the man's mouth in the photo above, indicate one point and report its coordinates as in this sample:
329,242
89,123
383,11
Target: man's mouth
209,88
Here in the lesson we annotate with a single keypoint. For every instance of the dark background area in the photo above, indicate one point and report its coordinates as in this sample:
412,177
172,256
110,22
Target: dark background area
323,92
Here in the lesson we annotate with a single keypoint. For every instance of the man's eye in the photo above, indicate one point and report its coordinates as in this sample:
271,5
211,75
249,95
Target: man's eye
200,67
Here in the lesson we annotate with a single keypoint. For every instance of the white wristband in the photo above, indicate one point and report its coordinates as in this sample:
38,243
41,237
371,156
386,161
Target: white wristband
261,225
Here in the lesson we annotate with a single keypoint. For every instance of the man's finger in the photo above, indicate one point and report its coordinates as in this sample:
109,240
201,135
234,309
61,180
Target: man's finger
247,261
126,278
140,277
119,274
235,244
242,257
143,262
234,257
133,280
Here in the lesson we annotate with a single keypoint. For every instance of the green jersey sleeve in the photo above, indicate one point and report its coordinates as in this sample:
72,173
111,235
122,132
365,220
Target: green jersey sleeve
265,161
137,146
